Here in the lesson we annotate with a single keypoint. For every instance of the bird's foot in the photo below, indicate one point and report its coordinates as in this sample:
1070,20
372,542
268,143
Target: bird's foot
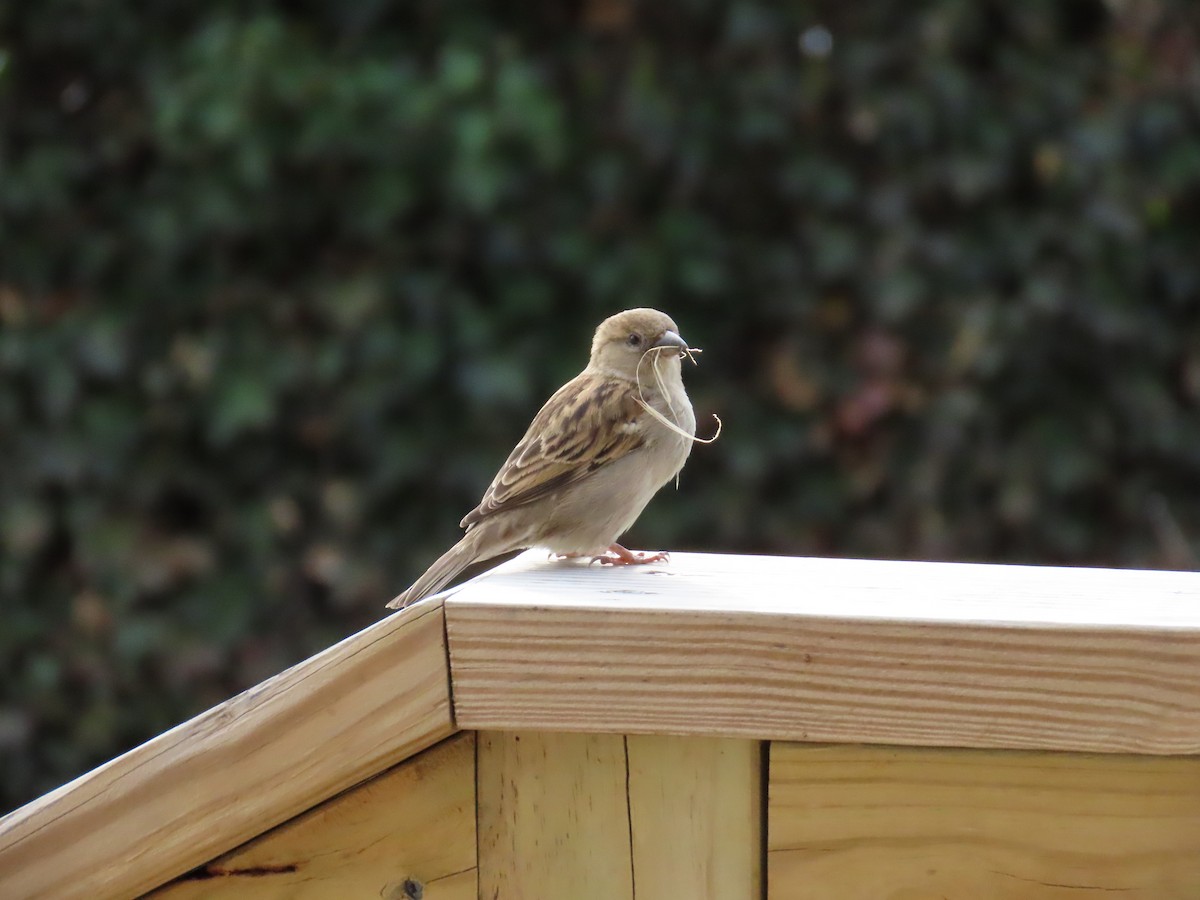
619,556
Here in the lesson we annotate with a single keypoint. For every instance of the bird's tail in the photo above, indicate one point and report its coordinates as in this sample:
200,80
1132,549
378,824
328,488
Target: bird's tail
437,576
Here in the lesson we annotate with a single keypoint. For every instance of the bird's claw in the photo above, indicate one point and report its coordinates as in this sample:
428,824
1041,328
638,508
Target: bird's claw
619,556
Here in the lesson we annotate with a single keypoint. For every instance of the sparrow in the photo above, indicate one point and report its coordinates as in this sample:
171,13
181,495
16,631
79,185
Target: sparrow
592,458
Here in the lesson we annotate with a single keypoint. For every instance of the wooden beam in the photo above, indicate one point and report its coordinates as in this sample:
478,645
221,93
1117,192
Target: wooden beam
933,654
695,815
597,817
553,817
237,770
407,833
859,823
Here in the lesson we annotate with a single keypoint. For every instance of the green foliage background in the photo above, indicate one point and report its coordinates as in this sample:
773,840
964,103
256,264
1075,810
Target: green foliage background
281,283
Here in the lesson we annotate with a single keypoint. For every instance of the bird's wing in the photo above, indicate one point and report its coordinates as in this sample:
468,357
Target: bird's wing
590,421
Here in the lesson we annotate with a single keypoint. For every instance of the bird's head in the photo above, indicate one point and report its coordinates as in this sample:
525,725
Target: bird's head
623,340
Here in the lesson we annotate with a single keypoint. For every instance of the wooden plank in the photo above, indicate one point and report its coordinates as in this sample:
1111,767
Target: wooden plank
602,816
696,817
858,823
935,654
407,833
238,769
553,817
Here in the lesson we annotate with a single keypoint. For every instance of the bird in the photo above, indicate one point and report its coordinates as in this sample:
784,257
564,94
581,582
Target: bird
592,458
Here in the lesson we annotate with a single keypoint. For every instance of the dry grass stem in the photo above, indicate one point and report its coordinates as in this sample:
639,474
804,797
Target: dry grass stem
673,425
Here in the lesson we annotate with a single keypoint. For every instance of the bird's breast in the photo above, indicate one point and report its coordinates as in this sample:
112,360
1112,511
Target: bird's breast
670,448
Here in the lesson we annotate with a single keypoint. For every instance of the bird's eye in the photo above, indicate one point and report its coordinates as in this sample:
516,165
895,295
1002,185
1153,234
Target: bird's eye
635,340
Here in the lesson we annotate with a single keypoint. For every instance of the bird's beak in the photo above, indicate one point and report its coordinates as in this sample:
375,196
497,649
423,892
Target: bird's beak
671,339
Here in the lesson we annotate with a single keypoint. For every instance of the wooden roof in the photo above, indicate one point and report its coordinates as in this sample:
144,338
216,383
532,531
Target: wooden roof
930,654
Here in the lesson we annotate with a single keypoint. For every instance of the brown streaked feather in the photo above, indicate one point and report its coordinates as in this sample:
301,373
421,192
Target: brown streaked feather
590,421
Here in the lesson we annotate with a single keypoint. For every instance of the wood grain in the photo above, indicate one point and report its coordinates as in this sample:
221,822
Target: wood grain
865,823
408,831
602,816
553,817
237,770
696,817
834,650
